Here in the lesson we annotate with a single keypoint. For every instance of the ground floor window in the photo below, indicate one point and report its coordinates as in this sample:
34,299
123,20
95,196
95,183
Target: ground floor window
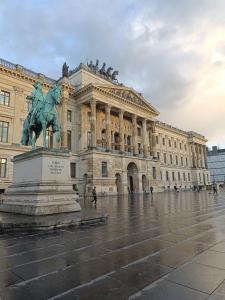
154,172
3,163
104,169
73,170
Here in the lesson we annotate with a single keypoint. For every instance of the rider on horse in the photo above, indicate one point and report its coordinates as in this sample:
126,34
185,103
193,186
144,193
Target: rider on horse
37,98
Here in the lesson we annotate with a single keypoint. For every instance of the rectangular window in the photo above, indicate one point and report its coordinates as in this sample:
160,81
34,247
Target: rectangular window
180,146
163,141
158,155
139,148
178,176
181,161
157,139
175,144
89,138
69,135
171,159
139,131
49,138
189,179
167,176
186,162
73,170
4,129
29,104
4,98
173,176
184,176
89,116
169,143
3,162
176,160
185,147
69,115
154,172
104,169
200,178
164,157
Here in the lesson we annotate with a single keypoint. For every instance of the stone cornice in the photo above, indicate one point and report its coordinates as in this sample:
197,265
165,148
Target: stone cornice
107,90
20,72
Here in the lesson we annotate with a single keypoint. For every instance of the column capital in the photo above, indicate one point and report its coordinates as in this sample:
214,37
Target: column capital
93,102
134,118
108,108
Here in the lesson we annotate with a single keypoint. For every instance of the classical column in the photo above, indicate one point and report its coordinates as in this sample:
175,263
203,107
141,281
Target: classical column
134,138
108,127
121,130
205,157
153,141
64,122
144,137
93,122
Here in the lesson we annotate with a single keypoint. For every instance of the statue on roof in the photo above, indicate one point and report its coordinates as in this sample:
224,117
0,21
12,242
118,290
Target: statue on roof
65,70
90,65
108,72
96,65
114,74
102,70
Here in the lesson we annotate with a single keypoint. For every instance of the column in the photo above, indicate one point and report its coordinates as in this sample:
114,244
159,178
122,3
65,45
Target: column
93,122
144,137
153,142
205,157
108,127
134,138
64,122
121,130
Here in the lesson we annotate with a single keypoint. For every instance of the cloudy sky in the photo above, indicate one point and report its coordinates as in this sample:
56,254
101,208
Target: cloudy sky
171,51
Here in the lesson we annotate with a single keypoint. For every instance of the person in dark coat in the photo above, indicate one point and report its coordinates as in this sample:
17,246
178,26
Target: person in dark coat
94,195
151,190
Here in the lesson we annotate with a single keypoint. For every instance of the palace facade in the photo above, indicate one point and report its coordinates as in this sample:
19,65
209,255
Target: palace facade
115,140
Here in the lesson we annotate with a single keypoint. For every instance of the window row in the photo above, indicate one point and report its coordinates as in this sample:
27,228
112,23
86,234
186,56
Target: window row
175,143
171,160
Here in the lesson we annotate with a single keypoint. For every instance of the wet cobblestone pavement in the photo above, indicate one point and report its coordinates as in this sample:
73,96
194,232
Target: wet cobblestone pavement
168,246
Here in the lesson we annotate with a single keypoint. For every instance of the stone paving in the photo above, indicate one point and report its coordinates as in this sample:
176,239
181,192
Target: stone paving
166,246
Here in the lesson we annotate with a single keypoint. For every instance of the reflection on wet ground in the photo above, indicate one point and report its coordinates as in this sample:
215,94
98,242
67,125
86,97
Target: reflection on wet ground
165,246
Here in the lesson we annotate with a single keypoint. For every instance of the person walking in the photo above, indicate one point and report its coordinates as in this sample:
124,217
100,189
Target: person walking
151,190
94,195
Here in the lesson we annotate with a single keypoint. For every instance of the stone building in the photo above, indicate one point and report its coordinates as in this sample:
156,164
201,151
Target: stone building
112,132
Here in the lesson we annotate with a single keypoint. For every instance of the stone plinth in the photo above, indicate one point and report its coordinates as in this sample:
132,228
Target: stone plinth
41,184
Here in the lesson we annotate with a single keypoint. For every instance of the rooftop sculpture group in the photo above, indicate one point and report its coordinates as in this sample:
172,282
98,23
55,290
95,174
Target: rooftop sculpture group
107,73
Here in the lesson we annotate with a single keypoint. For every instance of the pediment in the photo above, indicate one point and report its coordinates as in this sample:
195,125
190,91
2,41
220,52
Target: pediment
129,95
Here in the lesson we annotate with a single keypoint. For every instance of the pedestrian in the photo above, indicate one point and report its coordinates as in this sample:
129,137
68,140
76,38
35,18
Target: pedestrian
151,190
94,195
214,189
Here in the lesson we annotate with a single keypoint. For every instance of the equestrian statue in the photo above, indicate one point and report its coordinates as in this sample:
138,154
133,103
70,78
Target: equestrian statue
42,115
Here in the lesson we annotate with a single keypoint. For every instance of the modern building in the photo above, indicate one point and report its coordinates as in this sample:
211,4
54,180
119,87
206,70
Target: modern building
116,142
216,164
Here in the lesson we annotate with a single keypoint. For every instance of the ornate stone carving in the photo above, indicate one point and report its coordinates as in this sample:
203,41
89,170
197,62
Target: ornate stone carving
18,90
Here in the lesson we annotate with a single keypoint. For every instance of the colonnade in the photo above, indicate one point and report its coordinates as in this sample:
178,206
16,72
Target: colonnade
146,144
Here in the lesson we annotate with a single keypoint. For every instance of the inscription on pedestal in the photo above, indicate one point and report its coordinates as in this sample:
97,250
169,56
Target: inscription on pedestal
55,167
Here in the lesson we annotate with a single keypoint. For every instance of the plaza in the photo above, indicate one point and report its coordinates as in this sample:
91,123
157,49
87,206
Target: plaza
165,246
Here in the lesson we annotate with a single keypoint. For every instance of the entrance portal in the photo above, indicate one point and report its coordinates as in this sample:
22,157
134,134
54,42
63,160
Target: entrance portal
132,178
118,183
144,183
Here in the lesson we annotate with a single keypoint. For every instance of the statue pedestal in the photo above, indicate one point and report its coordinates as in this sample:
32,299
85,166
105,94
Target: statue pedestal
41,184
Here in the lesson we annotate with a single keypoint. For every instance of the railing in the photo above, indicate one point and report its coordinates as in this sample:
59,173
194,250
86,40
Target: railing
26,71
7,64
